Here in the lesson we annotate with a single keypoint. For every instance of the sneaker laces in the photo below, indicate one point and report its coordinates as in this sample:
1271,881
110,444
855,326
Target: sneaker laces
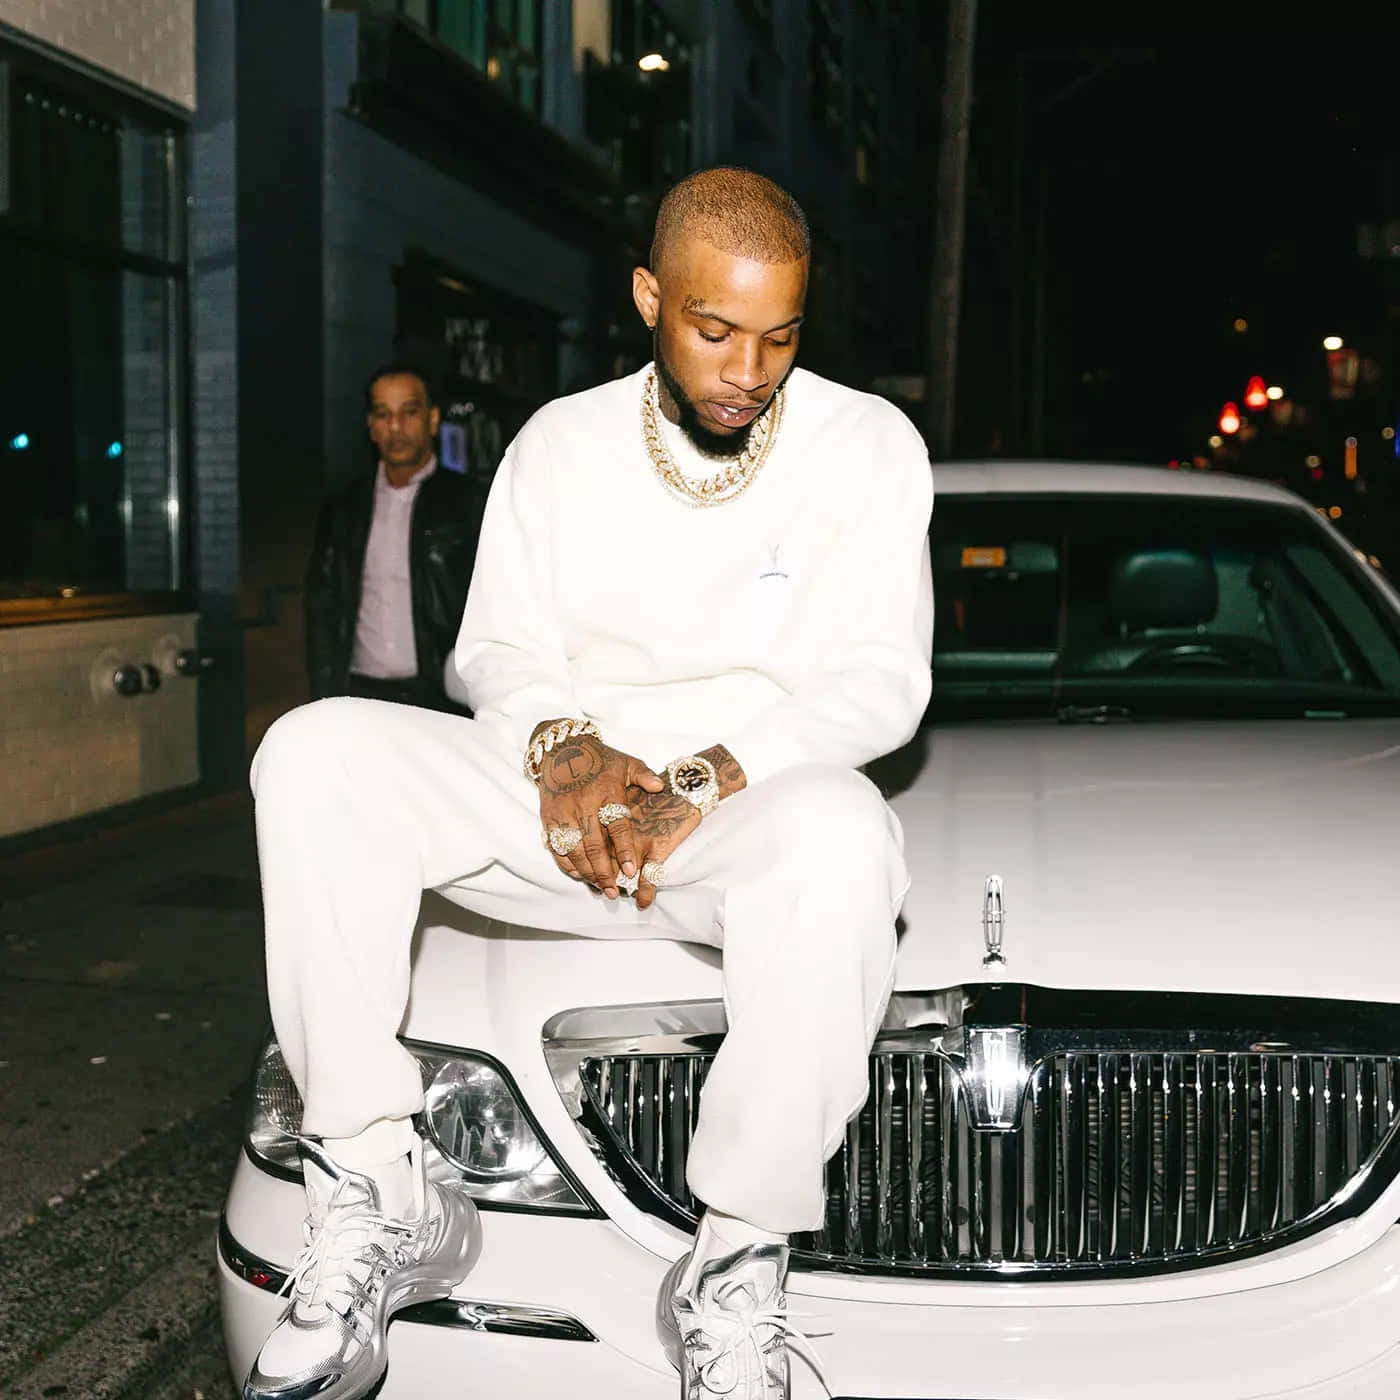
341,1234
731,1319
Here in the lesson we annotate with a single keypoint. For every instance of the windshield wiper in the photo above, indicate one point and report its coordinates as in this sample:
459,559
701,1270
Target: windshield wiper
1092,714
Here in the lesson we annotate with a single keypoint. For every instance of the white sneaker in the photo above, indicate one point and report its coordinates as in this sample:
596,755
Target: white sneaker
358,1268
726,1330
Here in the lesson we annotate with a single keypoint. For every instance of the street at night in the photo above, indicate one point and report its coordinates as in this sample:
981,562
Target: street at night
698,696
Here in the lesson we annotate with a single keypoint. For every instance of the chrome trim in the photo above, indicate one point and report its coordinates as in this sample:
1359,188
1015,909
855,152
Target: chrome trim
473,1315
993,921
1026,1132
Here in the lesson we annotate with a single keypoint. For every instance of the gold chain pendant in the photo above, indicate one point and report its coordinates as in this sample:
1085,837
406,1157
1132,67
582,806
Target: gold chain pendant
730,481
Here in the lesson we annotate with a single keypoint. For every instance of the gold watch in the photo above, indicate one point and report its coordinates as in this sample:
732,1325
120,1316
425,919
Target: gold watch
694,778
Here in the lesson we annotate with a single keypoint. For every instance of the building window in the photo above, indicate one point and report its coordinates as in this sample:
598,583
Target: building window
496,358
637,101
500,38
92,367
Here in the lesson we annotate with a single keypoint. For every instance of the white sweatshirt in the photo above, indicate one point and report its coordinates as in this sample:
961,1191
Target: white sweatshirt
793,625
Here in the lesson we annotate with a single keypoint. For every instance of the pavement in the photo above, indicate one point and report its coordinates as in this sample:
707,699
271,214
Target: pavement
132,1004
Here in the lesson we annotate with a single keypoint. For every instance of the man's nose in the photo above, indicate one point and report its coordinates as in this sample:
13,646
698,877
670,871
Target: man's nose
745,369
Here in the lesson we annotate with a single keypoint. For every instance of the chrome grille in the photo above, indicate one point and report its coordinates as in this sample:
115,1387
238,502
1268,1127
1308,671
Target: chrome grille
1123,1160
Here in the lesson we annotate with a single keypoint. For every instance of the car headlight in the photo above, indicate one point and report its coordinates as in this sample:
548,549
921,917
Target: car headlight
476,1125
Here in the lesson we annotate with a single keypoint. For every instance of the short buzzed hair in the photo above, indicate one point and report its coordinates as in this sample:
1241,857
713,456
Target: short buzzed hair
394,369
735,210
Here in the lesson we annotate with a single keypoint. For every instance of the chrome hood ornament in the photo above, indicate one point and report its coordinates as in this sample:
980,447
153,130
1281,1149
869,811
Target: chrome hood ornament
993,922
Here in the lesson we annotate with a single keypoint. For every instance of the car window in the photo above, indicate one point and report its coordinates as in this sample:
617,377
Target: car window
1155,602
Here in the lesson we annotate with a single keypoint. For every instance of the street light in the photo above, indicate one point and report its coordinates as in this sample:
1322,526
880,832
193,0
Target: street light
1274,392
653,63
1332,342
1256,395
1230,419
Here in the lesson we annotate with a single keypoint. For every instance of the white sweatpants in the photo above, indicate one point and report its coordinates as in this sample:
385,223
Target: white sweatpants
361,805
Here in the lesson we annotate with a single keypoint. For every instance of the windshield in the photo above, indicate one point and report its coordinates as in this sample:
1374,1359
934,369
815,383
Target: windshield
1101,607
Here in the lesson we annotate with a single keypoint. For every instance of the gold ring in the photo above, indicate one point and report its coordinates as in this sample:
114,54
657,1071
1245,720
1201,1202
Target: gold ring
611,812
563,840
654,873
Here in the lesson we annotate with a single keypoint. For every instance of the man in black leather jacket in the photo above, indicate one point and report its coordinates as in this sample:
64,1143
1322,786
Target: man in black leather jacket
387,579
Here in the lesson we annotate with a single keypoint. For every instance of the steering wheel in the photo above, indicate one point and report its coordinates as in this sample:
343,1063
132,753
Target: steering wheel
1240,655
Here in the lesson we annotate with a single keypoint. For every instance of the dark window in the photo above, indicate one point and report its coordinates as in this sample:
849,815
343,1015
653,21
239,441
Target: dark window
93,282
501,38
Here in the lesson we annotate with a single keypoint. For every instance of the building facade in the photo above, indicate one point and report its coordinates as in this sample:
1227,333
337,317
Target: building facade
99,620
244,206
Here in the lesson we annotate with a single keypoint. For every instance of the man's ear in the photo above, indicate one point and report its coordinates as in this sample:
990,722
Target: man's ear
646,293
434,419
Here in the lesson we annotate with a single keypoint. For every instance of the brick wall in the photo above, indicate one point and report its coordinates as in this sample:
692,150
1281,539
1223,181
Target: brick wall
69,745
148,42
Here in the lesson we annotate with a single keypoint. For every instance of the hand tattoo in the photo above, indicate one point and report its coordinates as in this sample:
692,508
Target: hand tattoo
571,766
660,815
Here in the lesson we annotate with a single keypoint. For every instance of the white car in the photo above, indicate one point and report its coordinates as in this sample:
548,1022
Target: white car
1131,1128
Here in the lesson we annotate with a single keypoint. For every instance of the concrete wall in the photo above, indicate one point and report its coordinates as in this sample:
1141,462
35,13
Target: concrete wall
149,43
69,744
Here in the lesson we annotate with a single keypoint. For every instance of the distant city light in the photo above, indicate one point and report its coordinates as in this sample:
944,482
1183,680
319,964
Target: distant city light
653,63
1256,395
1332,342
1241,325
19,442
1215,440
1349,459
114,450
1373,561
1230,419
1334,512
1312,460
1388,434
493,68
1274,392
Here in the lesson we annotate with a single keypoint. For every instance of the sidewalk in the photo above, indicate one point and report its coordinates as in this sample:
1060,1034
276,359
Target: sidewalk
132,1003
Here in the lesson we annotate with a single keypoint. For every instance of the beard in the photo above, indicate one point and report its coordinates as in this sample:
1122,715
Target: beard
712,444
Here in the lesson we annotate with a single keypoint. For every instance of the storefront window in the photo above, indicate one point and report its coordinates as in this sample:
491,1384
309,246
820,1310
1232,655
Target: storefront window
93,283
497,358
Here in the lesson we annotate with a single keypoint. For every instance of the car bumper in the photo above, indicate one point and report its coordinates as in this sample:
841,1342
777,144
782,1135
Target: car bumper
1333,1334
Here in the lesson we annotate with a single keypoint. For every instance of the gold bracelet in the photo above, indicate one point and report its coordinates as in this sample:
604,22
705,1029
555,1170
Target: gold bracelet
556,733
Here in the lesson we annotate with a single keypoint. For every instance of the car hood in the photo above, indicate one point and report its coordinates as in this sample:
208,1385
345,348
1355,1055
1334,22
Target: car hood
1214,856
1186,856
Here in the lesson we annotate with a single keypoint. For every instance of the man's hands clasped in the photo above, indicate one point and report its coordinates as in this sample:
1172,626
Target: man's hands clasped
577,779
610,820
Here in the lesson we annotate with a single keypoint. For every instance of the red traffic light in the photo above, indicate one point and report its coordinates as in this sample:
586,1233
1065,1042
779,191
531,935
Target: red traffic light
1230,419
1256,394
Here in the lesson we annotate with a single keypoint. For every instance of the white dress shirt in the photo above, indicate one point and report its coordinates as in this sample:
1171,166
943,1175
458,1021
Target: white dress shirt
384,646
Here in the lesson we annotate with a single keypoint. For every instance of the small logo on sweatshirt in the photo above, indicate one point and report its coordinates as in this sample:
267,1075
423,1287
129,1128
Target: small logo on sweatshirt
774,570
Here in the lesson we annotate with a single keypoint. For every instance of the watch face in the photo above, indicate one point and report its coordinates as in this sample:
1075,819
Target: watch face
690,777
